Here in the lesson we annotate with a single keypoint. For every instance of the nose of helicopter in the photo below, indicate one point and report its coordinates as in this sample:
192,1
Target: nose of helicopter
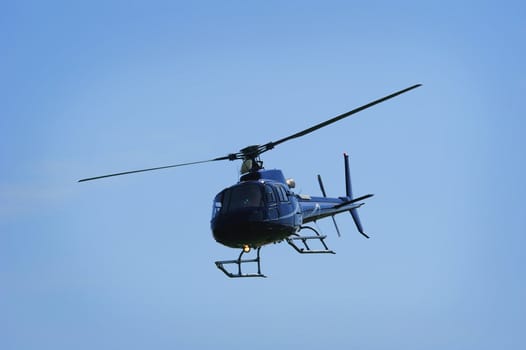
248,227
239,228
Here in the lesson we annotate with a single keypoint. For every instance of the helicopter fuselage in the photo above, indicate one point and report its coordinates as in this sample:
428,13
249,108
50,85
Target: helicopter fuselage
255,212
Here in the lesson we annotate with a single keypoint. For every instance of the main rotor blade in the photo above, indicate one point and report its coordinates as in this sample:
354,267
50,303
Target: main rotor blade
270,145
254,151
157,168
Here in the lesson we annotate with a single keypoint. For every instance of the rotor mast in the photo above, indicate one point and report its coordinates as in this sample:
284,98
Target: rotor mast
251,160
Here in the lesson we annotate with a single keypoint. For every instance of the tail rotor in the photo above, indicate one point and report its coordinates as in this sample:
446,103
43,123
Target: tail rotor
325,195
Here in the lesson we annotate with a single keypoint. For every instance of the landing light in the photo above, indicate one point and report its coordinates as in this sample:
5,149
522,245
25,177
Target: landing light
246,248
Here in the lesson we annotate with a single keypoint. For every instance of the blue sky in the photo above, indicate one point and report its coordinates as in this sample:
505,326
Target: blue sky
99,87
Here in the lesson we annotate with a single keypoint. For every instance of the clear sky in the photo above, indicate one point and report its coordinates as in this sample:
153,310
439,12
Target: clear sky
127,263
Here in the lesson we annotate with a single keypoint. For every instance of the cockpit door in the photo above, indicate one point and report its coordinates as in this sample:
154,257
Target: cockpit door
272,203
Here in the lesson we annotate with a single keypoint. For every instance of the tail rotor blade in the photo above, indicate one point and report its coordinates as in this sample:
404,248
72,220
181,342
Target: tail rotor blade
325,195
336,226
321,186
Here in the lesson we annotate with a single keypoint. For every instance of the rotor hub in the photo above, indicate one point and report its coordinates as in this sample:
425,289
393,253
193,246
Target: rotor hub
251,152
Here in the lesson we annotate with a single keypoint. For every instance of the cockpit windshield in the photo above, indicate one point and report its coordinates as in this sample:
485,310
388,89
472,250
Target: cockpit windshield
243,196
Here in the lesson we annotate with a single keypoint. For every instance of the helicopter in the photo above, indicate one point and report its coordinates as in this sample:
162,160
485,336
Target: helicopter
261,208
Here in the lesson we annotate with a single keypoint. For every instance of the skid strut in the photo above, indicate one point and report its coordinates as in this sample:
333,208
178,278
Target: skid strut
306,249
239,262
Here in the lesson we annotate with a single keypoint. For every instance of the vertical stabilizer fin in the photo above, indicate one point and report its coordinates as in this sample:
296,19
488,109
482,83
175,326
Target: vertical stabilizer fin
348,186
357,222
348,193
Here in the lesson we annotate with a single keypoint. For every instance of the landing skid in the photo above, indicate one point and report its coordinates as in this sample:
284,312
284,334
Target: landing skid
239,262
306,249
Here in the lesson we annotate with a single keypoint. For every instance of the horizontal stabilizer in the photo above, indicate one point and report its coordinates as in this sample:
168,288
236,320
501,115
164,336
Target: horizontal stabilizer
353,200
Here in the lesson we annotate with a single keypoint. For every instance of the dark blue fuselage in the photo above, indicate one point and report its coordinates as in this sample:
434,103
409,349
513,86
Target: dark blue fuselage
255,212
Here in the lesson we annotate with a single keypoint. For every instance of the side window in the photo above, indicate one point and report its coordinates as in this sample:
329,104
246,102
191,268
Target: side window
269,194
218,204
282,194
